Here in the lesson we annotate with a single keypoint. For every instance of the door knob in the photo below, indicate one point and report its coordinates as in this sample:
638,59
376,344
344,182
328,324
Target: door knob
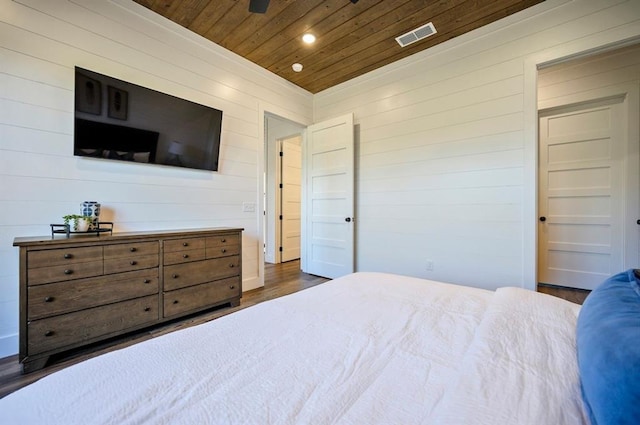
348,219
543,218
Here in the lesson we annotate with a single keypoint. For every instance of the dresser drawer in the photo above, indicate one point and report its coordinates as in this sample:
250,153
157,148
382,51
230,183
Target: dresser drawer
126,250
223,245
132,262
187,274
201,296
71,271
221,240
62,256
184,256
74,329
65,297
182,244
222,251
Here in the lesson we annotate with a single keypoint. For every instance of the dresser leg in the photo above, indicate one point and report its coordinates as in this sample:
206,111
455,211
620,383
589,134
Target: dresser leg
235,302
33,365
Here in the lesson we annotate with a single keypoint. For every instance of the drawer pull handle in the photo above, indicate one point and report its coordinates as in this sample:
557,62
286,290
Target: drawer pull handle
48,299
185,256
185,243
223,240
133,250
223,250
48,333
175,301
147,308
175,276
232,265
67,256
68,271
146,281
133,263
232,287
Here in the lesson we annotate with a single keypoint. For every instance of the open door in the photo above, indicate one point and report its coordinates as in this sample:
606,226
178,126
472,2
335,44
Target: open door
582,194
328,157
290,199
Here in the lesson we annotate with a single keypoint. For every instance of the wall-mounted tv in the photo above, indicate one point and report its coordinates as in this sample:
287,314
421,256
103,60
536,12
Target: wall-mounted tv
118,120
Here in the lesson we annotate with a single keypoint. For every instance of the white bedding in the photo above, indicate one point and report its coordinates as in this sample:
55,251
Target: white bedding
368,348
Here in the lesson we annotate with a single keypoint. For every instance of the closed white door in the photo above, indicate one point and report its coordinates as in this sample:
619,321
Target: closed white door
291,172
582,194
329,198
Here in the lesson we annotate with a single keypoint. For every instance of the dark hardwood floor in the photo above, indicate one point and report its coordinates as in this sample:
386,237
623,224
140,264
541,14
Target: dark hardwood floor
570,294
280,279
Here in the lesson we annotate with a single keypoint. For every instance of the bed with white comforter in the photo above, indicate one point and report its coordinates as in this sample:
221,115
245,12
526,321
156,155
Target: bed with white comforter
368,348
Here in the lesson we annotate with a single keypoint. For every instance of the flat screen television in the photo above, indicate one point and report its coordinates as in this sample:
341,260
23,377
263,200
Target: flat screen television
118,120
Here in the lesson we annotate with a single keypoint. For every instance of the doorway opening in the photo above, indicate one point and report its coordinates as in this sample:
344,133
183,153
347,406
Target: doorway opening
282,185
588,168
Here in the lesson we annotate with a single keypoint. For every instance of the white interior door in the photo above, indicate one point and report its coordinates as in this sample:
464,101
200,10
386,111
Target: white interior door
329,198
291,172
582,194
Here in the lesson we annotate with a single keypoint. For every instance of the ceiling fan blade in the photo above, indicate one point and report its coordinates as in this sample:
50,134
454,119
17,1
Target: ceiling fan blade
258,6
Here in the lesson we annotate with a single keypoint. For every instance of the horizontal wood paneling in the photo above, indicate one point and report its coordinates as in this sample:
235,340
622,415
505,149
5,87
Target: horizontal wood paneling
440,144
443,150
452,101
488,128
438,118
40,43
557,84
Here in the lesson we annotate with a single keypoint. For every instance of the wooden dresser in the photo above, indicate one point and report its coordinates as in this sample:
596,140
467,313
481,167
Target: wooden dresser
84,289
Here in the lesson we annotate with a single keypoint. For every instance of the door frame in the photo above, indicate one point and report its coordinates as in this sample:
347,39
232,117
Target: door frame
563,53
264,109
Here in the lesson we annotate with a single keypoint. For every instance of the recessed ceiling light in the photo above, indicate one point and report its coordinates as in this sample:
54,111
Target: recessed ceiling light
297,67
309,38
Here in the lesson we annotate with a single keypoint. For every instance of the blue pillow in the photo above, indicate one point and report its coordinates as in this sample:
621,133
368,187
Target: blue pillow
608,342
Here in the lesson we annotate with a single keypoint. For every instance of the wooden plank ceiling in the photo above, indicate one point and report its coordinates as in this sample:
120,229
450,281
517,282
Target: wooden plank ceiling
352,38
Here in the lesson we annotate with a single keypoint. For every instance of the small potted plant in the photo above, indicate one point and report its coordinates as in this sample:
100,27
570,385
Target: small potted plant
77,223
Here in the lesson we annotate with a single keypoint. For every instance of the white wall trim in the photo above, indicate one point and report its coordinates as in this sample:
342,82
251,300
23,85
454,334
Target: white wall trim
254,282
266,108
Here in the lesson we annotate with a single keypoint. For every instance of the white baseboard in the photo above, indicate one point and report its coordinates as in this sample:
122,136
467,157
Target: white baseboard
251,283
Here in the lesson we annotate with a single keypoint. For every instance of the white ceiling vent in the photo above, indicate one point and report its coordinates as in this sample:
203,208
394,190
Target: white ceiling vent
416,35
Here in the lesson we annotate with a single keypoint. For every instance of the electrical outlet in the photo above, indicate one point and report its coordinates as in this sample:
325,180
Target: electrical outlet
429,264
248,207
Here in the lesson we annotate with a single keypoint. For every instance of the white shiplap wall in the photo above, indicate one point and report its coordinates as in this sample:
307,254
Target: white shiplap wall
444,167
583,78
40,180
